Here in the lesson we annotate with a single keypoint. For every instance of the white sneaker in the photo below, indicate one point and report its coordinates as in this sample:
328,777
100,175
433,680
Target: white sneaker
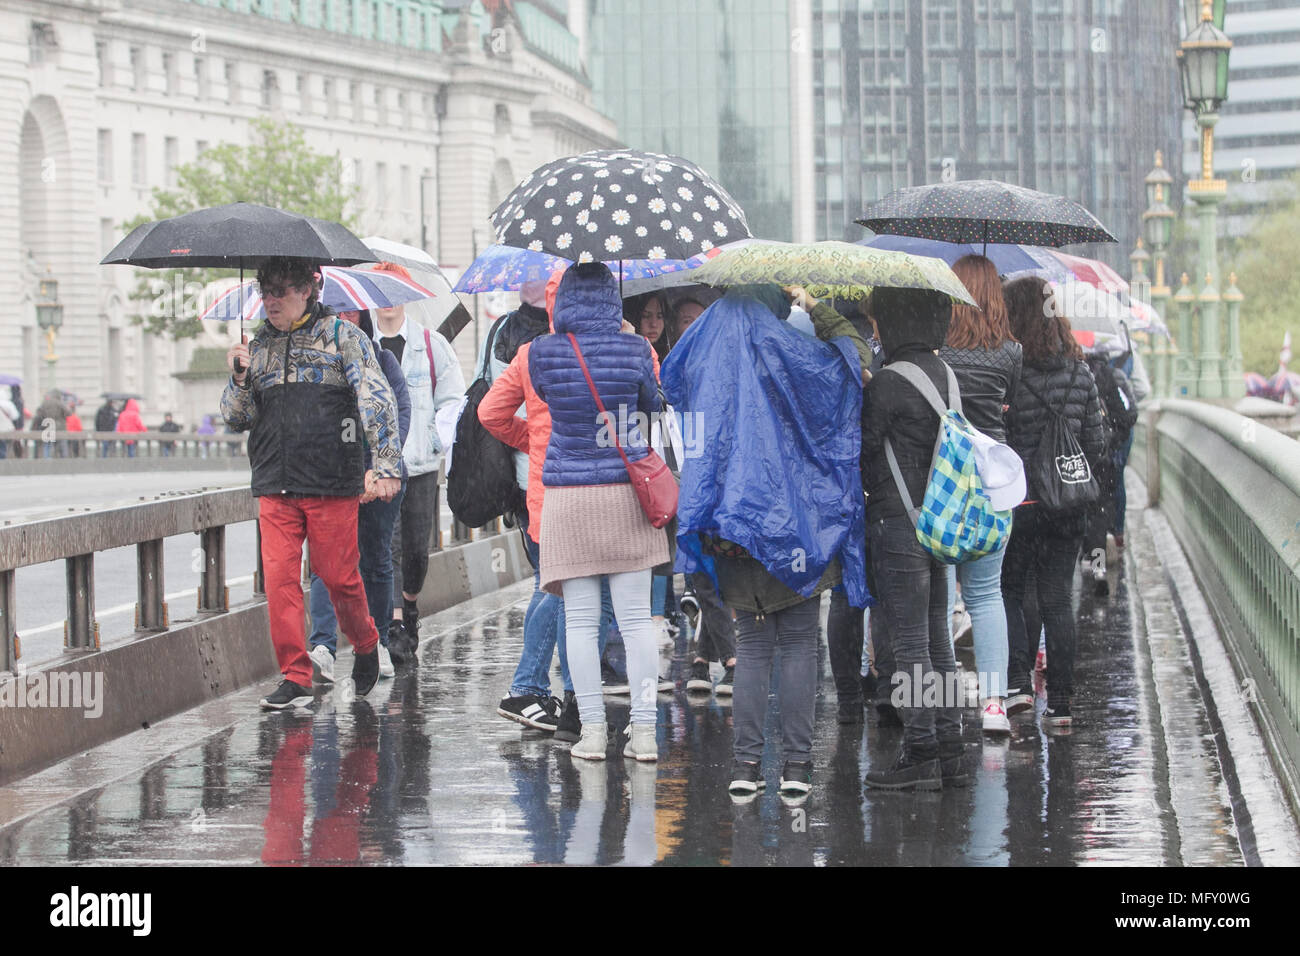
322,664
385,662
593,743
995,718
641,743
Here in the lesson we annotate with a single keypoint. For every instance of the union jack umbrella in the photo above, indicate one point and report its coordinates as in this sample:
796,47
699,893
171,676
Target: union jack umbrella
344,290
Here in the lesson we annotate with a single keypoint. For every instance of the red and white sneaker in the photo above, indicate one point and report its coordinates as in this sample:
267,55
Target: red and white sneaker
995,719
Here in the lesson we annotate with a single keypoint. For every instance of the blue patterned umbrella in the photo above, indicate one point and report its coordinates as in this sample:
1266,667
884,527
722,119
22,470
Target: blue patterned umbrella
507,268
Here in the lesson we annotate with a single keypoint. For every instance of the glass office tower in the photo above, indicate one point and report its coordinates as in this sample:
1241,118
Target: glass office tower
708,80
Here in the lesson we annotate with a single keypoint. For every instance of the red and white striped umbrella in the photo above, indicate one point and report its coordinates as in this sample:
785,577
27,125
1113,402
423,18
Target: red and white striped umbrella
344,290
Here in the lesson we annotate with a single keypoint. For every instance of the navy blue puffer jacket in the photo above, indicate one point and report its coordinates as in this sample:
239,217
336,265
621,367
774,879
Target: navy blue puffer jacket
581,451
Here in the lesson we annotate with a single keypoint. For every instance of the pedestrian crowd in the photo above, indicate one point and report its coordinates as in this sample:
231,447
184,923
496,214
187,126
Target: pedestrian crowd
815,472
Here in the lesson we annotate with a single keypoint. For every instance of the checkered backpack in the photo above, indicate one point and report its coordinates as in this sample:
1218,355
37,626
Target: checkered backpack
956,522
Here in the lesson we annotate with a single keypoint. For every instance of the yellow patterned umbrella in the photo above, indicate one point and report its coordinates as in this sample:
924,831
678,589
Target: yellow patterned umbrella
830,269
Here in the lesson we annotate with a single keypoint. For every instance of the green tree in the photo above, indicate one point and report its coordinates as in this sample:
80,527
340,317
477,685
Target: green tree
1265,264
277,169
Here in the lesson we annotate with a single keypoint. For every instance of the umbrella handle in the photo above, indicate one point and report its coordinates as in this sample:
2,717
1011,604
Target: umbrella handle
239,366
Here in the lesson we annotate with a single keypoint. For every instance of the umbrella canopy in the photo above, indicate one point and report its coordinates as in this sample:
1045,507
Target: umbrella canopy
122,396
1008,258
507,268
342,290
839,269
236,236
984,211
444,312
1088,308
10,380
608,204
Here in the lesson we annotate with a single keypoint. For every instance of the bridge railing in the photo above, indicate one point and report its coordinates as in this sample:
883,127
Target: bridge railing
1230,489
76,539
149,444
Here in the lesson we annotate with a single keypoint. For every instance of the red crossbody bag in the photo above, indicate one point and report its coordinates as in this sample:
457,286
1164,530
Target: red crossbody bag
653,482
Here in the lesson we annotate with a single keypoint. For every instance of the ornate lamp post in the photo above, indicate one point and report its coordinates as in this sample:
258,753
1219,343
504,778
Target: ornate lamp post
1158,230
1140,289
49,316
1203,60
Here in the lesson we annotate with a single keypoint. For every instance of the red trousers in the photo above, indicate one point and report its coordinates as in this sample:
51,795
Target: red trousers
329,526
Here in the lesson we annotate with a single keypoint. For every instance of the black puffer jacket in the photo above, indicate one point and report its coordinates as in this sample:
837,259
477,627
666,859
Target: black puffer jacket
892,408
987,379
1027,418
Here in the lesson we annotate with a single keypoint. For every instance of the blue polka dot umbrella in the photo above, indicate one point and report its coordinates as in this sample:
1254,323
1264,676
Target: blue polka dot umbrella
612,204
984,211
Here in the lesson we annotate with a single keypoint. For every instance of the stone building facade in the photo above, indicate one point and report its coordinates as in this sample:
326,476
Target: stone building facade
435,110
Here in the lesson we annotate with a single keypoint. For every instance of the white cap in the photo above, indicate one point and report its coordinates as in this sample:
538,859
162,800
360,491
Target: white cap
1001,471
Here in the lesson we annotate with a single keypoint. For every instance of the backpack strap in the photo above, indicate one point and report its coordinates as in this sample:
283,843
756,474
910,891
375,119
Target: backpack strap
917,378
428,349
490,344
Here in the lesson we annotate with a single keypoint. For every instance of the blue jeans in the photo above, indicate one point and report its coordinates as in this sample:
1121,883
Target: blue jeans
545,631
375,521
658,594
981,590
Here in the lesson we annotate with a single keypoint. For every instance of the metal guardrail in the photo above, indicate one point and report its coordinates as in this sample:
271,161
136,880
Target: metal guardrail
150,444
76,539
1230,488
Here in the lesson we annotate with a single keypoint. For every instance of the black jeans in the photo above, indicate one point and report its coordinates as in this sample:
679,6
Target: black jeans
716,636
844,640
912,588
1101,516
1037,548
411,536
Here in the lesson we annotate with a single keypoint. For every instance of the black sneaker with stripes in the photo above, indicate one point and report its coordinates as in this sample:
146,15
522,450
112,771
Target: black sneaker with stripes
540,713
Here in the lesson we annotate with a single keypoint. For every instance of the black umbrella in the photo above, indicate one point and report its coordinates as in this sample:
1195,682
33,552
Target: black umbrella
122,396
238,235
619,204
984,211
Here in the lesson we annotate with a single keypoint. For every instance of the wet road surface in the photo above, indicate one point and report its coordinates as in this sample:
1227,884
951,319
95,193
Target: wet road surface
424,771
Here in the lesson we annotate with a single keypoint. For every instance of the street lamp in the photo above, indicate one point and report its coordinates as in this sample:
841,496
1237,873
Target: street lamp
49,316
1203,61
1158,230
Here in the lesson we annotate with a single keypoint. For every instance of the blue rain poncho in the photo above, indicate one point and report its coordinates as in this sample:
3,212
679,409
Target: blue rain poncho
772,428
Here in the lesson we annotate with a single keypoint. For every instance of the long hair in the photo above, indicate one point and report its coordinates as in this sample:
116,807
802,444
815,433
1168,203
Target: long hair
1036,321
633,308
986,327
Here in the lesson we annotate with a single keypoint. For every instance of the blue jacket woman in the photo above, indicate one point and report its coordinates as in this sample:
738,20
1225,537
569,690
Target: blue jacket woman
592,522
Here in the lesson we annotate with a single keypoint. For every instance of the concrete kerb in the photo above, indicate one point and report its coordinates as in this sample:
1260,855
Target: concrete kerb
157,675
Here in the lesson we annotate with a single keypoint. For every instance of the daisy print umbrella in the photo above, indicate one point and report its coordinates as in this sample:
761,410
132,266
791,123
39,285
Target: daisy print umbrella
611,204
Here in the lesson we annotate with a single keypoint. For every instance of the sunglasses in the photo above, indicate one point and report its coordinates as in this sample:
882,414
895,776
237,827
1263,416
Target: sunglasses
275,292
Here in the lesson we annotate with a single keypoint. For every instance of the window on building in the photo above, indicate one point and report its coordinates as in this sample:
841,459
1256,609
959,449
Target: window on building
139,160
331,98
303,84
381,106
200,147
358,105
381,185
139,79
102,64
171,159
404,185
270,90
42,44
107,234
232,82
200,78
106,156
169,73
